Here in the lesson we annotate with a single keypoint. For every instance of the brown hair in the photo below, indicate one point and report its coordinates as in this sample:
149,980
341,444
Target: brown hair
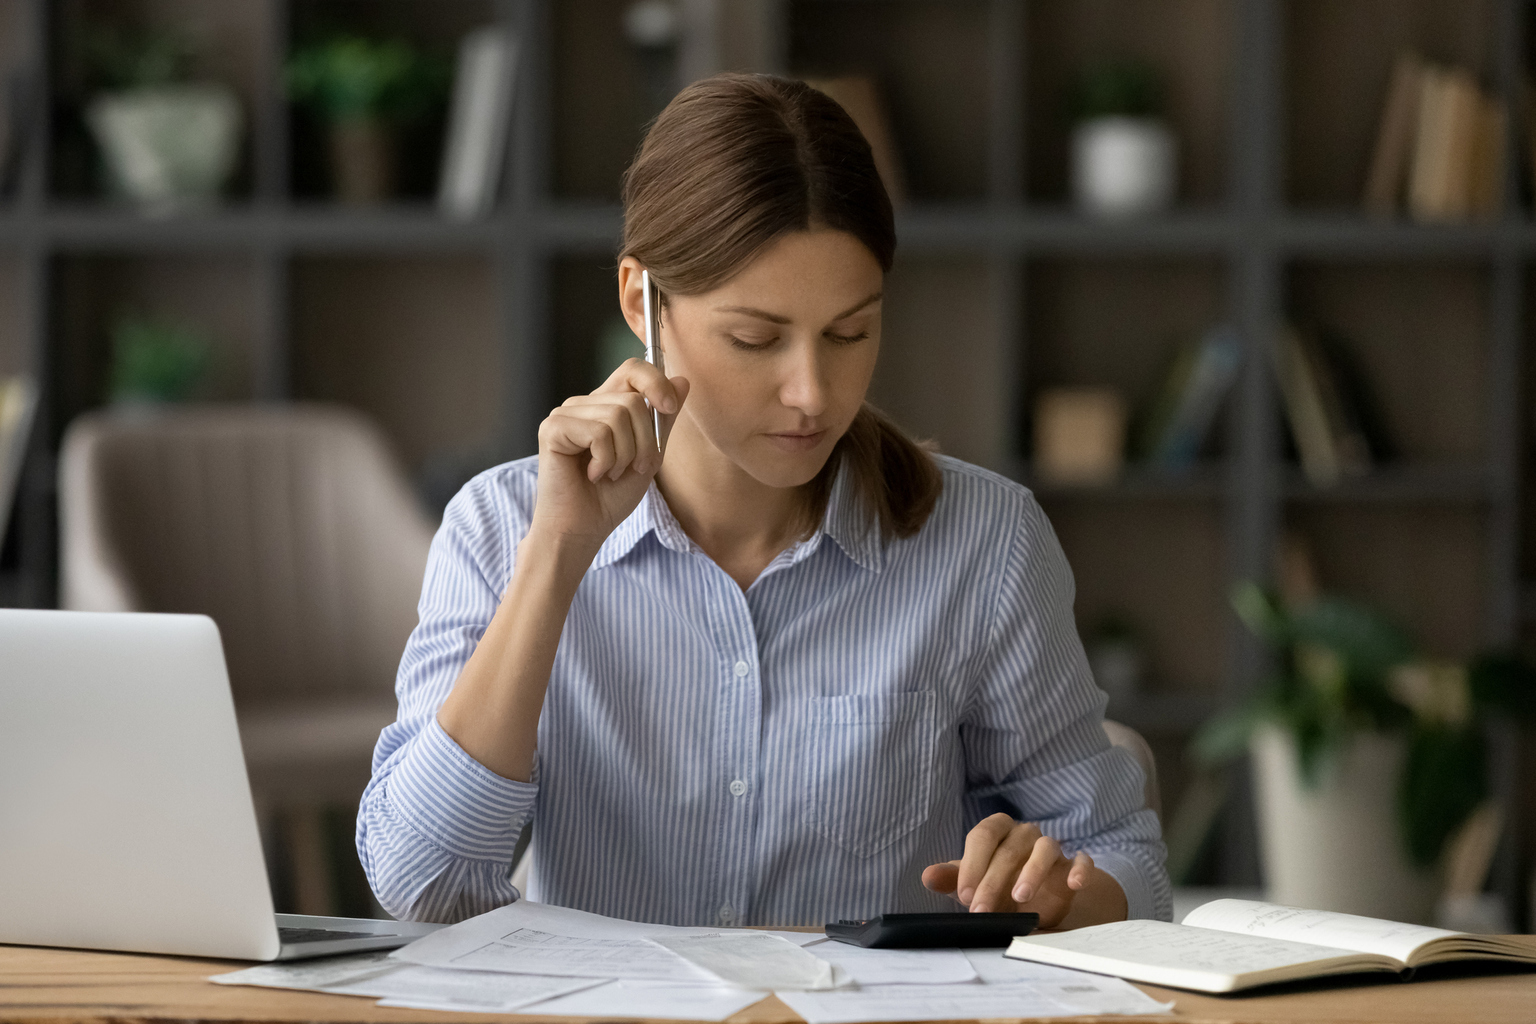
734,162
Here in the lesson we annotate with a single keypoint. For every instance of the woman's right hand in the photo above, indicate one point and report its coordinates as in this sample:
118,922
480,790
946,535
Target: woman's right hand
597,453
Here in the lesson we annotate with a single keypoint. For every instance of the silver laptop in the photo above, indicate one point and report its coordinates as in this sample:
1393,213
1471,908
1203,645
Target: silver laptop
126,820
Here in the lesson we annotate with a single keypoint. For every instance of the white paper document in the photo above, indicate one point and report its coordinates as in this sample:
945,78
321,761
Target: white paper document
754,960
897,966
311,974
536,938
434,988
656,1000
958,1002
401,984
993,968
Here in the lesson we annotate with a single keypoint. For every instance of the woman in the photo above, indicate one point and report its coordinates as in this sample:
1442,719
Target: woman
797,669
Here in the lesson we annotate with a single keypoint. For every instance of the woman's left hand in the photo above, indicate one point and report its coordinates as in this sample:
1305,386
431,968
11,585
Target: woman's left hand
1012,866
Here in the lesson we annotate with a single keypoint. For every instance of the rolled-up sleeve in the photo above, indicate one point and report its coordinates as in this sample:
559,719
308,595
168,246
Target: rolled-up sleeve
436,829
1033,733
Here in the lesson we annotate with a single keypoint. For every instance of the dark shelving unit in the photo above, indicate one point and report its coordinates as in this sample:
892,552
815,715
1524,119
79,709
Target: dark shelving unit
1253,208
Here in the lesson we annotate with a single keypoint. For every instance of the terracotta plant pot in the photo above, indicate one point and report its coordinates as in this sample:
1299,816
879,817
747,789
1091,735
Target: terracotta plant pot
1337,846
362,162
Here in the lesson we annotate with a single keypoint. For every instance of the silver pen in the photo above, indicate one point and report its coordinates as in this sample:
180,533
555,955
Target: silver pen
652,341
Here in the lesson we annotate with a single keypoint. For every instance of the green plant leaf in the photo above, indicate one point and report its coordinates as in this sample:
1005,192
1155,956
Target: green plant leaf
1370,644
353,78
1445,778
122,58
156,361
1261,613
1504,684
1129,88
1225,735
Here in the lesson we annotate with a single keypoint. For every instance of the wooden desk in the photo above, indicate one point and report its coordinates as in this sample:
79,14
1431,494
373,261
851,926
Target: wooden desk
51,986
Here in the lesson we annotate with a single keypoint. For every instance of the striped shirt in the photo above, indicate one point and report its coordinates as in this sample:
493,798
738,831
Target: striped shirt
793,753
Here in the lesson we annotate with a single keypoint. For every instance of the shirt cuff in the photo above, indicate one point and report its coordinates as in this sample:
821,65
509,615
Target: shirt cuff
455,801
1139,903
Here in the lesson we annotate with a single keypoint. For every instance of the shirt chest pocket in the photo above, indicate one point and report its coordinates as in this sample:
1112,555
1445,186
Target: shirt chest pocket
869,768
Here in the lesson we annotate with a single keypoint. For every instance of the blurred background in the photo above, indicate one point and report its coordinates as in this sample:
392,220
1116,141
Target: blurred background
1244,289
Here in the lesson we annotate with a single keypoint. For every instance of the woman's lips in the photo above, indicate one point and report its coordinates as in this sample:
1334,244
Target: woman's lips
797,442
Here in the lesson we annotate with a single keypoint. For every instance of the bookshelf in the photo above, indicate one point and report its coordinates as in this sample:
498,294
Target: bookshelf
459,336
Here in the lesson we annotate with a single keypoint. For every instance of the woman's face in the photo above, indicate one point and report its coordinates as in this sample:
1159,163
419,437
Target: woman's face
779,357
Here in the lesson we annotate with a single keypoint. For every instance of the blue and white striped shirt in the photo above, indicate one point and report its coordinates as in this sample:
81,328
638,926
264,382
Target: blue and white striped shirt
792,754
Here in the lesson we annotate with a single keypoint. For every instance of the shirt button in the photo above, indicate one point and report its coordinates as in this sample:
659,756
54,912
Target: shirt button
727,915
742,669
738,788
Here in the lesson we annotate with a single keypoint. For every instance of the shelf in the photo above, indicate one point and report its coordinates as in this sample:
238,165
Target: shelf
1349,233
1420,484
1203,482
964,228
86,227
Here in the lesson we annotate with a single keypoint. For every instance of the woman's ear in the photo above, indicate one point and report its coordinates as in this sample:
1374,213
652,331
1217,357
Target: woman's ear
632,296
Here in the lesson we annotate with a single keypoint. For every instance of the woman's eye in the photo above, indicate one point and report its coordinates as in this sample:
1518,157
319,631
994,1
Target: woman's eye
848,339
748,346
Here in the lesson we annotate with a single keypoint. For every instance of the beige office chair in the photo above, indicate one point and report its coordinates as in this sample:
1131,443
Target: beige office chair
296,531
1129,739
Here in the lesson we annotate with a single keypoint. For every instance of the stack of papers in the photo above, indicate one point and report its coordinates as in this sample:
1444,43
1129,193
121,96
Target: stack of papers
531,957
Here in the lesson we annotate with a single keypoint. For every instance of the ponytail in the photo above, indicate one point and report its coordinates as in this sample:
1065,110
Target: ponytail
894,475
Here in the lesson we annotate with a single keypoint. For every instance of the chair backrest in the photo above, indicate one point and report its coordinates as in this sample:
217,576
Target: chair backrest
1129,739
292,526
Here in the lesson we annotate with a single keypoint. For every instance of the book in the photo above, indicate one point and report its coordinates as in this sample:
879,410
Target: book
479,117
18,403
1305,410
1451,111
1350,443
859,95
1390,159
1229,945
1181,433
1486,198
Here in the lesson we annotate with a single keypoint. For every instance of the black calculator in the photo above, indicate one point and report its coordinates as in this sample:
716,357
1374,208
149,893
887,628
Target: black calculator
934,931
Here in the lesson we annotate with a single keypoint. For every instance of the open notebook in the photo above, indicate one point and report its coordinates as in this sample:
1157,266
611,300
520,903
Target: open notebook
1227,945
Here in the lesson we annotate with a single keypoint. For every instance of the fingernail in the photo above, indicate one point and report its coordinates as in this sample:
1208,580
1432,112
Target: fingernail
980,908
1023,892
966,894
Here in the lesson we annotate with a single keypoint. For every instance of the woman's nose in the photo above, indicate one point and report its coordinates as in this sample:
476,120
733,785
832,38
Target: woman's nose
804,384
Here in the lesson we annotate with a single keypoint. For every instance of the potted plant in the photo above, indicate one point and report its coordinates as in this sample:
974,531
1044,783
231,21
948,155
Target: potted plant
1366,757
155,361
1123,153
166,142
362,90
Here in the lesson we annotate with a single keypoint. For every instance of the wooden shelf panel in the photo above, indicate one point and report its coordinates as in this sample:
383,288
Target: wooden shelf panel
965,228
1204,482
1401,484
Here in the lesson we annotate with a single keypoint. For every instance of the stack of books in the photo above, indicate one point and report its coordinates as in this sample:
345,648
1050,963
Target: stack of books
1439,148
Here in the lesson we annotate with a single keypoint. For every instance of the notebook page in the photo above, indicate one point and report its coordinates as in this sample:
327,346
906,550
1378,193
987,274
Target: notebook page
1173,950
1323,927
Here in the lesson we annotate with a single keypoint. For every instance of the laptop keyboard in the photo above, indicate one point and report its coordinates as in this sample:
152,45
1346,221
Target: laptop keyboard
293,935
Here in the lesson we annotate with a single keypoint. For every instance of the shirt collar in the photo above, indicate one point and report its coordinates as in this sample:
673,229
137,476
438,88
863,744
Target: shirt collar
847,521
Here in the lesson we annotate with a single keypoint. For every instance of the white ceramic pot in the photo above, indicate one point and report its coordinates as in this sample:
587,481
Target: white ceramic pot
1123,166
168,146
1337,846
